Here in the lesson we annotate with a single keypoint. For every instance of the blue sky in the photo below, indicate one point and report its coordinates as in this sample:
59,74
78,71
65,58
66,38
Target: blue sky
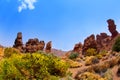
64,22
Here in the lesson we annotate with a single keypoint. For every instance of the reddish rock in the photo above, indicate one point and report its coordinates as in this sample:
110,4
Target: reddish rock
103,41
18,42
78,48
31,45
48,47
89,42
34,45
112,28
41,45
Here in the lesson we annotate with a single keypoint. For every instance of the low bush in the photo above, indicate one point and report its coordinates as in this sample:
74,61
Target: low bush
73,55
73,64
91,52
37,66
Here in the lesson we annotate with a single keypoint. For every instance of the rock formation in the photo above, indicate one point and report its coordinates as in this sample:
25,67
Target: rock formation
89,42
78,48
18,42
41,45
32,45
103,41
48,47
112,28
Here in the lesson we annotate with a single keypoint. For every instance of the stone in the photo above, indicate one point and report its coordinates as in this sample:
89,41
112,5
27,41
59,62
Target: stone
103,41
48,47
112,28
18,42
89,42
34,45
78,48
41,45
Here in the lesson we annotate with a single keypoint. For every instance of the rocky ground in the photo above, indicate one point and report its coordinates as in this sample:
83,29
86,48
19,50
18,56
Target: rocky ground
110,61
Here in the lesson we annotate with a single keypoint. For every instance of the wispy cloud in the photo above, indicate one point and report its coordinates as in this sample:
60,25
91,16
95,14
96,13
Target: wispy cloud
26,4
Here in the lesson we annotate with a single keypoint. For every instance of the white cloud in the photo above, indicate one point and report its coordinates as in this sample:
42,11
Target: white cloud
26,4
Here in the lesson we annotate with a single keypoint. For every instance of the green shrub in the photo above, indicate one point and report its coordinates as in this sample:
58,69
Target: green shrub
91,52
116,46
32,66
73,55
10,51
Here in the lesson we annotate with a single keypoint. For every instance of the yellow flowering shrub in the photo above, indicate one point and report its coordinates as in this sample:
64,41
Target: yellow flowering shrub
37,66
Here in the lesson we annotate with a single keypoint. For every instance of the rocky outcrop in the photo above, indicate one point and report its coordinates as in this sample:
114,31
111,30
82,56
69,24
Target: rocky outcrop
18,42
41,45
34,45
89,42
103,41
48,47
112,28
78,48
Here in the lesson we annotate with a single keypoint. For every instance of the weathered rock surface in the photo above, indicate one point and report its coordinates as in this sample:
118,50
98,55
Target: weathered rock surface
103,41
32,45
78,48
112,28
48,47
89,42
18,42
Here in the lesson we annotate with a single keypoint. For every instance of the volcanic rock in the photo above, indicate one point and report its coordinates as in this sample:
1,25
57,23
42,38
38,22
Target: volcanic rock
89,42
34,45
112,28
78,48
103,41
48,47
18,42
41,45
